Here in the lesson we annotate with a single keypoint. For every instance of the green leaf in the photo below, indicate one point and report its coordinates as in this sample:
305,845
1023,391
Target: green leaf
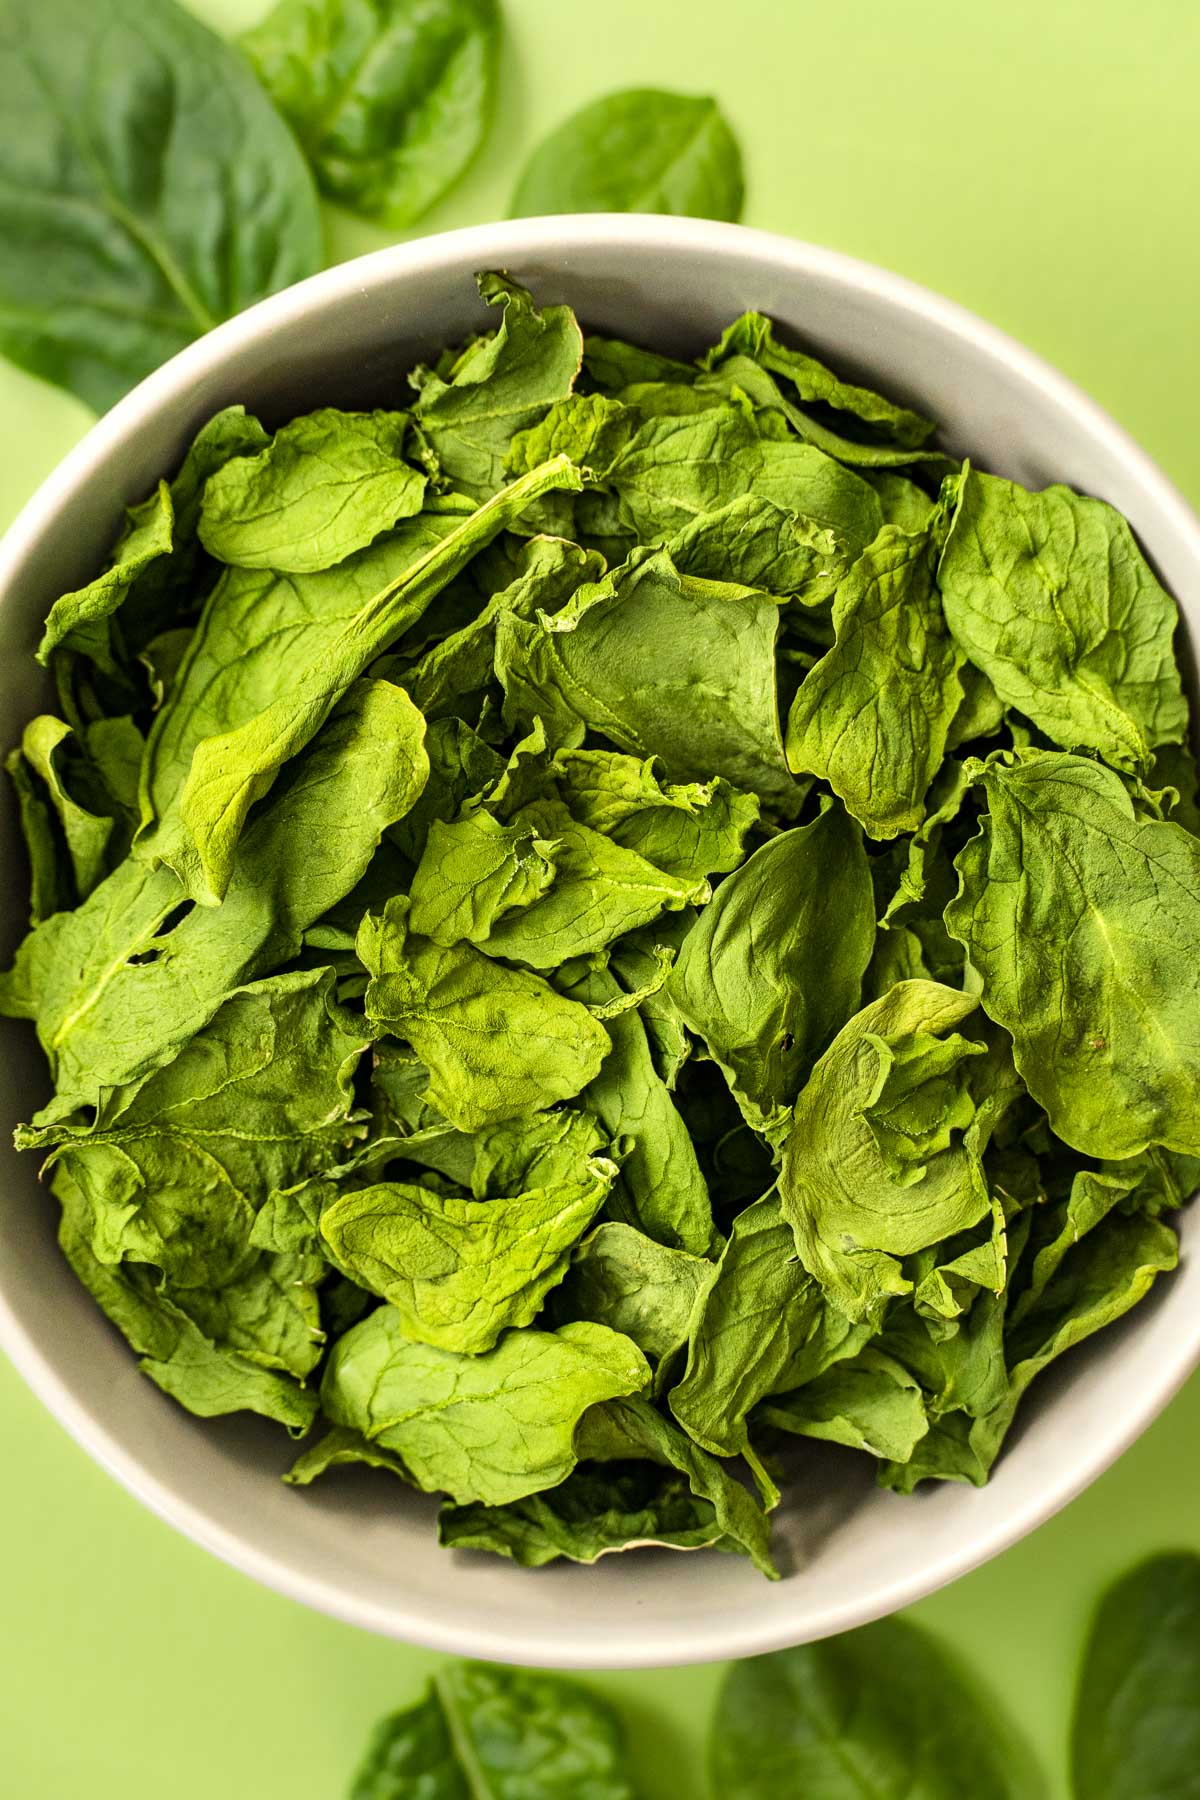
754,336
389,99
661,1190
879,1711
630,1427
118,986
756,543
661,665
919,1099
175,1352
748,1327
474,872
870,1403
1050,596
325,486
455,671
600,1508
872,718
852,1218
498,1042
233,768
256,627
459,1272
1083,922
638,150
149,190
625,1280
689,829
1136,1733
79,621
483,1733
175,1168
502,385
50,813
774,965
673,469
491,1427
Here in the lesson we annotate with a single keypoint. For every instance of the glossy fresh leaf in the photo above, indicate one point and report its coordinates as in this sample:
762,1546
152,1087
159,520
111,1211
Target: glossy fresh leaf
639,150
879,1711
483,1733
389,99
1137,1727
149,190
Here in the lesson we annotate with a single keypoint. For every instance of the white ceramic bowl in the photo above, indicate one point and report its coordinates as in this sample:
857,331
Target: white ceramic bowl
357,1545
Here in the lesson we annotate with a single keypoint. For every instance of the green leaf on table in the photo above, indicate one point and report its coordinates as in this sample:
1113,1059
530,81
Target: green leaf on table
149,190
873,716
498,1042
638,150
459,1272
1051,597
326,485
1136,1733
774,964
491,1427
1083,923
882,1710
389,99
481,1732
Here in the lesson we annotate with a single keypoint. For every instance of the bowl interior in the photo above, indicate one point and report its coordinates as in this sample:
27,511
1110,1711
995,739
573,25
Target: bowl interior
358,1545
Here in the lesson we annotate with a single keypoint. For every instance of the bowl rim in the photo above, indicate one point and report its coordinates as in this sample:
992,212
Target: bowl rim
492,245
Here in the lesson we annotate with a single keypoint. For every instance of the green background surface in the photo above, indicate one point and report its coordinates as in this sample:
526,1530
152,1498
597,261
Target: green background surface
1038,162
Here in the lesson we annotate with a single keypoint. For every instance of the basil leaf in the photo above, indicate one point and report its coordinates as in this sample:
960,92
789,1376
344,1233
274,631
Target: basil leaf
389,99
497,1734
639,150
1136,1734
881,1711
150,190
